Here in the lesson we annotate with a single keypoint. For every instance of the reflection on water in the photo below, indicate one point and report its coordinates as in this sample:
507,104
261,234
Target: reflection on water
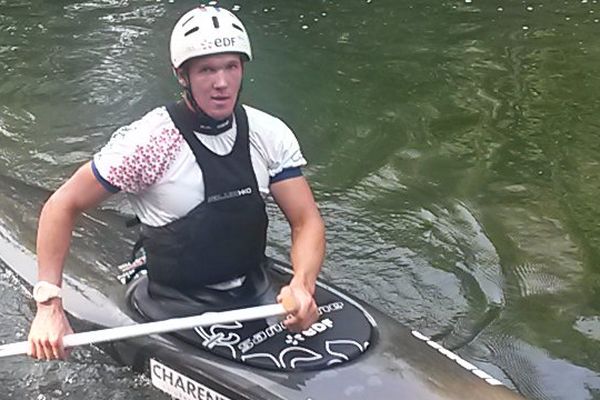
452,145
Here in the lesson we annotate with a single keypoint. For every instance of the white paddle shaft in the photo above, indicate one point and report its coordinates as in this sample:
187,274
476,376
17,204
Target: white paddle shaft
149,328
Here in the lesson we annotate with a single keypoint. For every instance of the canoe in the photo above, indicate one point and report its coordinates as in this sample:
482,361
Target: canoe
353,352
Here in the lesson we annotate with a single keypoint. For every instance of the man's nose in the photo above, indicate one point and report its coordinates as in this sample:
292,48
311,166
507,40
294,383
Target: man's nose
220,81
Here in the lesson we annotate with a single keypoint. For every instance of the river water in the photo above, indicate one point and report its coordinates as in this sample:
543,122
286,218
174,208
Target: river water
452,145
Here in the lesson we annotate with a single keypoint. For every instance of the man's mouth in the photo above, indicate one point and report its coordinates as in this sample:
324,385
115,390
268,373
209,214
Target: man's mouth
220,98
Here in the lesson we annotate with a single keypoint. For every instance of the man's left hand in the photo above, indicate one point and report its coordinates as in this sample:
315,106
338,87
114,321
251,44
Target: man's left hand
306,312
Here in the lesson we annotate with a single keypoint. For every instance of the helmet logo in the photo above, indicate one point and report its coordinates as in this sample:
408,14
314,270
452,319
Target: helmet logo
206,44
224,42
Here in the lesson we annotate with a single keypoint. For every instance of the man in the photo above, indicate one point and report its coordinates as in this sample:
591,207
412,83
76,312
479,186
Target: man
196,173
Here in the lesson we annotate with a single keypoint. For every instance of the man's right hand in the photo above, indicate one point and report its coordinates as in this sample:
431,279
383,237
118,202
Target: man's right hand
47,330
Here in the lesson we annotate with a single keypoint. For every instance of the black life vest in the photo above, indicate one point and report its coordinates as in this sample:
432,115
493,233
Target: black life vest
222,238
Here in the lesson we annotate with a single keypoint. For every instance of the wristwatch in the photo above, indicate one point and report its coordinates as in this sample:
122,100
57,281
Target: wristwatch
44,291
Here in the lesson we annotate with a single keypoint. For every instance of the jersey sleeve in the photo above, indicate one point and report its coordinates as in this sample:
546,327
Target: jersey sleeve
286,157
137,155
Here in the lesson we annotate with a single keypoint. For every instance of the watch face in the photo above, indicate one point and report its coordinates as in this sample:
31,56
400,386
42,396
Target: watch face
42,294
44,291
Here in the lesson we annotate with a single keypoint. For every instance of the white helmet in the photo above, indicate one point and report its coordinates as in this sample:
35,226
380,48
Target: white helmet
207,30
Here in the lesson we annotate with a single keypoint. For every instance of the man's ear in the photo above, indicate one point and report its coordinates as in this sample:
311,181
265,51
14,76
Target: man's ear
178,72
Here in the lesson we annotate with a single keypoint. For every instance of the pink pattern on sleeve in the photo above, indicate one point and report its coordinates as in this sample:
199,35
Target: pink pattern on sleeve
148,162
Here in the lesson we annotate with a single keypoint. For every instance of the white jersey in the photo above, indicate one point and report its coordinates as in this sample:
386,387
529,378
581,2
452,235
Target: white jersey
151,162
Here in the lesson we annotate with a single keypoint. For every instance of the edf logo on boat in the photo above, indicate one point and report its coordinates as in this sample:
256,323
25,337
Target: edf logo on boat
272,330
314,329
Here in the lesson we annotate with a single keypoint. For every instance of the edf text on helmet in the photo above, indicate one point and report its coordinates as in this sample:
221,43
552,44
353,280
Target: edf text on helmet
224,42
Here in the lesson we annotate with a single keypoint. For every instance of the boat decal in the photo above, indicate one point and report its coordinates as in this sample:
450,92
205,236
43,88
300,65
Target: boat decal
311,355
333,290
268,344
294,340
270,331
334,361
180,386
260,336
460,361
211,337
262,355
327,308
329,344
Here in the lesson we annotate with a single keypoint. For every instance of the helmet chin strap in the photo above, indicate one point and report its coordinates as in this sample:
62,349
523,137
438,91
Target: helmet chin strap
206,123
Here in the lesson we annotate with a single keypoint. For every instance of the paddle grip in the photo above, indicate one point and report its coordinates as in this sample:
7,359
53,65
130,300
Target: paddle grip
288,301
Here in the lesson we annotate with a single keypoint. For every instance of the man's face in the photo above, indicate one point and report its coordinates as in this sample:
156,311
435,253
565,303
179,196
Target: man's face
215,81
